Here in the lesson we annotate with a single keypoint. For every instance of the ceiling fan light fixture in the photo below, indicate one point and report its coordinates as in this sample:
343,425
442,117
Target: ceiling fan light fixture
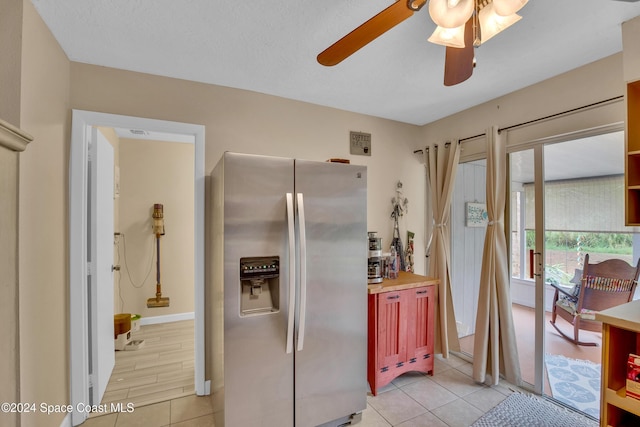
452,37
451,13
508,7
492,23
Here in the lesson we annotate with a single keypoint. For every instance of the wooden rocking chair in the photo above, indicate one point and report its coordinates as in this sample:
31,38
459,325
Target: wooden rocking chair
603,285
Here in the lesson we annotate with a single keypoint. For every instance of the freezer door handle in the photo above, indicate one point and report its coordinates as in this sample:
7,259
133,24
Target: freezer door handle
303,271
292,276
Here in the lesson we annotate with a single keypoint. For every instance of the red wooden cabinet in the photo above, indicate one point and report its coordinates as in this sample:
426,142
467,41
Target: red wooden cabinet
401,333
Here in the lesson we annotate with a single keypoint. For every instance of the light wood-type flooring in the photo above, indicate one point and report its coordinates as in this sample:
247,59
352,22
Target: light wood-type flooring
162,369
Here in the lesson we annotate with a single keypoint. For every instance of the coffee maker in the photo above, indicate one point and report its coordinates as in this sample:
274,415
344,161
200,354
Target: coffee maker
375,271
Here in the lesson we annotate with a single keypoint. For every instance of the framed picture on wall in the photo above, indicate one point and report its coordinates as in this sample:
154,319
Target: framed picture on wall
477,214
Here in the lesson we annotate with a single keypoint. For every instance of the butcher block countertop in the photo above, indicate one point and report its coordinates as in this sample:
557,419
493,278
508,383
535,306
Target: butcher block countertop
404,281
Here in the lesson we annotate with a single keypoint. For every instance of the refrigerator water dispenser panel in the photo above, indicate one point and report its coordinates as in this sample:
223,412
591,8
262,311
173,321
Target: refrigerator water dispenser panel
259,285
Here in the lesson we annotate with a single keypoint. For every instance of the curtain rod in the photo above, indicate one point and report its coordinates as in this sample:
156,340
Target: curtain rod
446,144
573,110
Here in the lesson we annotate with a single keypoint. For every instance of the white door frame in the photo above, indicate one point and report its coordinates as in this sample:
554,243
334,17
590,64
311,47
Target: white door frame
82,121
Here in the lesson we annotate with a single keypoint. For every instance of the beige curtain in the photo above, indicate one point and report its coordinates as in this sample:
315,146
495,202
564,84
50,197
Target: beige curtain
441,162
495,351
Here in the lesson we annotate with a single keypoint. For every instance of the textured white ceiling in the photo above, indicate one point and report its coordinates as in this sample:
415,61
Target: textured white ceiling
271,47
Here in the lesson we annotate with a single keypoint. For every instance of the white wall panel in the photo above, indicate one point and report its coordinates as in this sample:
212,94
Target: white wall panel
466,246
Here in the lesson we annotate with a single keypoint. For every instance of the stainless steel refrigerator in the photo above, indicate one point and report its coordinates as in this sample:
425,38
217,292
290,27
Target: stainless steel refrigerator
288,292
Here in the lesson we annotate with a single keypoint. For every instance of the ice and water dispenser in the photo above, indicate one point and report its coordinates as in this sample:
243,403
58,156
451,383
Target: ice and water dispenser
260,285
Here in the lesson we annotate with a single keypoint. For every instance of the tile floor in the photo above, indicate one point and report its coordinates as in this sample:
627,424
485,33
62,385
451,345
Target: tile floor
449,398
188,411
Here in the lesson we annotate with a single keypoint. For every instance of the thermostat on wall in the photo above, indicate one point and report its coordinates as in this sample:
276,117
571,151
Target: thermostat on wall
360,143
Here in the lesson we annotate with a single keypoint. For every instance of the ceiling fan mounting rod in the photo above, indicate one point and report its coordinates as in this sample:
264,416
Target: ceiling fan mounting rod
416,5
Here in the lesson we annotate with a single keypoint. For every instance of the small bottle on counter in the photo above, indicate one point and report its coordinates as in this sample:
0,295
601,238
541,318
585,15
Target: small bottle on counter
393,264
386,259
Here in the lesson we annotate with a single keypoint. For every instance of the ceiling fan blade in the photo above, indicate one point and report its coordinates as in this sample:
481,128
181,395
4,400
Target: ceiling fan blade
458,62
369,31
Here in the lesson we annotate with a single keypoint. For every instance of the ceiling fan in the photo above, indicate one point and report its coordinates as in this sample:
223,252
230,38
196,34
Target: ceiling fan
462,24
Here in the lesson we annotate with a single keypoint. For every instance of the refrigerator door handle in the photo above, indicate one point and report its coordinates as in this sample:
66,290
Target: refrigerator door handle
303,271
292,276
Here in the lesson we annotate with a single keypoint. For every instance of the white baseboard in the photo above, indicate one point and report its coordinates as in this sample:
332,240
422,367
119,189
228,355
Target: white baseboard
167,318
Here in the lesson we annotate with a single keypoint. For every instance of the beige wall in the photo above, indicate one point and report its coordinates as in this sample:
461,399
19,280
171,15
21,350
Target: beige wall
43,225
242,121
592,83
10,65
156,172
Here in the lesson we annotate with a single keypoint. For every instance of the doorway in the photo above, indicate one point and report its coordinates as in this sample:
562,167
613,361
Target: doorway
83,123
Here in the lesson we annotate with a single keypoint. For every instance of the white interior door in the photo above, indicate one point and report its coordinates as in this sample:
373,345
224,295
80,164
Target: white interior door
100,258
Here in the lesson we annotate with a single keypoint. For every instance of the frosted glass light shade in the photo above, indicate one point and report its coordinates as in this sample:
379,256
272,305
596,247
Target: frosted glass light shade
491,23
451,13
452,37
508,7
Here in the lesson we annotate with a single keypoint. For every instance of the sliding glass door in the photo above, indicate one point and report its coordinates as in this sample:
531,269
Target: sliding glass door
567,200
